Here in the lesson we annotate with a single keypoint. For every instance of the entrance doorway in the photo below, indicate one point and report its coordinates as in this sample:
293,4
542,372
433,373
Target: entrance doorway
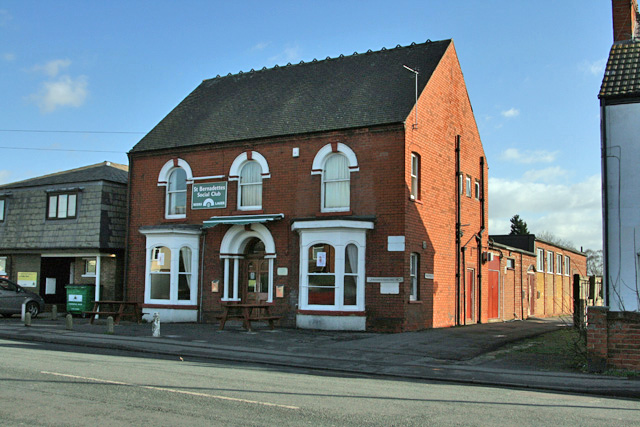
470,295
531,284
56,271
494,288
255,286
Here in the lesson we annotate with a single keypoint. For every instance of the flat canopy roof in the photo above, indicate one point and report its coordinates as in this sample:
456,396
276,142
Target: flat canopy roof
241,219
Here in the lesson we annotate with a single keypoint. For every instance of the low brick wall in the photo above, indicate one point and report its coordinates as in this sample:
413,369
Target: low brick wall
613,339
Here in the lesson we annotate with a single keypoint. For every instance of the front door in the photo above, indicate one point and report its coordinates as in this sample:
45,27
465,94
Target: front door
256,273
470,295
494,288
531,281
257,279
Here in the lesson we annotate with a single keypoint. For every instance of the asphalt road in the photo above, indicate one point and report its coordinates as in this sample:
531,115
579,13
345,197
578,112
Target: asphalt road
42,384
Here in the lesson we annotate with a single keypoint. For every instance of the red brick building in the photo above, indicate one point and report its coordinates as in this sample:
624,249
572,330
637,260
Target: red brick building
529,277
350,193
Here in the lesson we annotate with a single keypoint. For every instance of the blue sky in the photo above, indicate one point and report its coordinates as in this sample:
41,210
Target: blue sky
94,76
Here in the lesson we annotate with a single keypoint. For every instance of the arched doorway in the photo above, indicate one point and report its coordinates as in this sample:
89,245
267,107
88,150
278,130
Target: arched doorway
248,252
255,286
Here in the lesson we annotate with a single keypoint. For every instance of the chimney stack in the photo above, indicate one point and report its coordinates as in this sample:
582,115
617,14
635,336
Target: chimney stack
625,20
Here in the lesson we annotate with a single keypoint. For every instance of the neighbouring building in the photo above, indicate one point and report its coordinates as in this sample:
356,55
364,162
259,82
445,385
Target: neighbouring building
620,114
613,331
66,228
530,277
349,192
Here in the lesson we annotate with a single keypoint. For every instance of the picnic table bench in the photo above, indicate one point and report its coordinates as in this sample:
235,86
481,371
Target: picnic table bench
248,312
117,309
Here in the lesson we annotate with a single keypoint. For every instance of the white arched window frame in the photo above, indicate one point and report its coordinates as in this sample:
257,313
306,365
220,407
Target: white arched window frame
335,172
250,186
247,164
164,178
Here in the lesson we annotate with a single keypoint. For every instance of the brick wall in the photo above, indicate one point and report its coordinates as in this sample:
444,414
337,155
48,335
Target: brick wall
624,19
377,190
380,189
613,339
444,112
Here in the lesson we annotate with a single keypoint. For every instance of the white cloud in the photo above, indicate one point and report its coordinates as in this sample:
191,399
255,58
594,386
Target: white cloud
547,175
260,46
289,54
9,57
513,112
53,68
528,156
595,68
569,211
63,92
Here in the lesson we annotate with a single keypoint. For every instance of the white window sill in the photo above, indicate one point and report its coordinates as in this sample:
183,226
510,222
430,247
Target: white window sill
89,275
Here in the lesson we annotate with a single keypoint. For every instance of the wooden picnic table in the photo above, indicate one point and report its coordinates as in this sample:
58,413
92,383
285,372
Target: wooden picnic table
117,309
248,312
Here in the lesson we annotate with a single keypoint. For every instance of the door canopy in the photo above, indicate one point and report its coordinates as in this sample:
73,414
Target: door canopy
236,238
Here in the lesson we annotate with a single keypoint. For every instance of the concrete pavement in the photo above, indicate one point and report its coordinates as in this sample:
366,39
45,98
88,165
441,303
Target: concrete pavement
436,354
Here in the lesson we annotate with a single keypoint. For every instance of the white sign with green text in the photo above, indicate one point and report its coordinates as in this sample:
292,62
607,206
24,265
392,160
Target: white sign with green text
209,195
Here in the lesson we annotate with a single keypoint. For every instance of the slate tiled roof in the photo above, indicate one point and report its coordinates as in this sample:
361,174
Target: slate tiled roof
622,75
358,90
105,171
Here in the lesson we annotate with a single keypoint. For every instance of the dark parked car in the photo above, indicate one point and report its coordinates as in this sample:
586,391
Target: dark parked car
12,296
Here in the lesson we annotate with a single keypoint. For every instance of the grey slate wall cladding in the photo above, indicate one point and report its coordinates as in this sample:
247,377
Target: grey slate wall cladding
26,226
113,221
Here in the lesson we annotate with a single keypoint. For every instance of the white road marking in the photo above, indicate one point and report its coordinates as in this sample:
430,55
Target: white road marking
170,390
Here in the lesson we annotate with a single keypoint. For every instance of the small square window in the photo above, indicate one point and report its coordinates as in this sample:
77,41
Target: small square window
89,267
62,206
511,263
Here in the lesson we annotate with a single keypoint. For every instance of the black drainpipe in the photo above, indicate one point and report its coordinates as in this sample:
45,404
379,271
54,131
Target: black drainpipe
457,189
479,239
125,297
605,201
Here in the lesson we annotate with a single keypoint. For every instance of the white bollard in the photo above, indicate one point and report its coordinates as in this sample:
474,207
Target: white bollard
155,325
24,310
54,312
69,322
27,319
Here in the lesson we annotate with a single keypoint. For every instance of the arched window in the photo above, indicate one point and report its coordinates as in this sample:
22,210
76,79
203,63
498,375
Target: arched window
250,186
160,271
336,183
177,193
